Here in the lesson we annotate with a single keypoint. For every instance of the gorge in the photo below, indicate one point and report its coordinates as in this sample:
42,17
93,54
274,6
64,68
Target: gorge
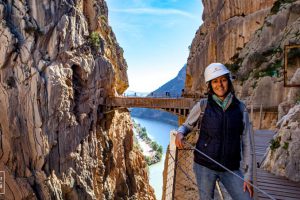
60,60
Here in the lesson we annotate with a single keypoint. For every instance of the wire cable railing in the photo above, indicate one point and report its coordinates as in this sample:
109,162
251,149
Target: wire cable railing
181,182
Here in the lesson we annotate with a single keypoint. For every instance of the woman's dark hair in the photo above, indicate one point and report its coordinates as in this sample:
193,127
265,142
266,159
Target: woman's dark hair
230,87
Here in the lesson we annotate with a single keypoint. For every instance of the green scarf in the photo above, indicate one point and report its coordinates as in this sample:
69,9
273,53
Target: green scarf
225,103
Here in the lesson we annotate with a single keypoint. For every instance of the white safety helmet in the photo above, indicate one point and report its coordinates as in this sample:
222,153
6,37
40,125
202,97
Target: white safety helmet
215,70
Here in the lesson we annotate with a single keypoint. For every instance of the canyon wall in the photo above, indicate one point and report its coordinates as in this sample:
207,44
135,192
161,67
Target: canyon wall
59,60
250,38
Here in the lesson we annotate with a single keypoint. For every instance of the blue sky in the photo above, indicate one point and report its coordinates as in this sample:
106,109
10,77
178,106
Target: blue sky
155,35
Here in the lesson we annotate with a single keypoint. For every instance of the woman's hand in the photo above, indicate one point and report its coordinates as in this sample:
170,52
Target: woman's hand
248,187
178,140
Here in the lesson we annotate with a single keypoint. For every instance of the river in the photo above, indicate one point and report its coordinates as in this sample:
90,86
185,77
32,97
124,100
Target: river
159,132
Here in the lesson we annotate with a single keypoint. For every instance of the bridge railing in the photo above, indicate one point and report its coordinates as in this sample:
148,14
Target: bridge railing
180,182
155,95
179,103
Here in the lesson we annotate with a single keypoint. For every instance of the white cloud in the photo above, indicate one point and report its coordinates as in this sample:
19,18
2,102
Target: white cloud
155,11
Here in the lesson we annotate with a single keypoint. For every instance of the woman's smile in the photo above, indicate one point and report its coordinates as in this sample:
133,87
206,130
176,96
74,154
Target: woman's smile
220,86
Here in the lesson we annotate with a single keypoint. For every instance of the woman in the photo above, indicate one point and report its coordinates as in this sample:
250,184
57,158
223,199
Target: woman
224,134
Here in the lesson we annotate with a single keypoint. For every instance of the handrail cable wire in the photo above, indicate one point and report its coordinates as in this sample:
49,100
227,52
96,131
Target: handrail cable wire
225,168
188,176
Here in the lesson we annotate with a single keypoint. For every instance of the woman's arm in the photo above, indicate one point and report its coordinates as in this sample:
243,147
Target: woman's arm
247,147
191,120
188,125
247,151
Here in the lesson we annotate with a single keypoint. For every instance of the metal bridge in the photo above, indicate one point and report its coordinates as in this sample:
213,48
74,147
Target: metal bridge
177,106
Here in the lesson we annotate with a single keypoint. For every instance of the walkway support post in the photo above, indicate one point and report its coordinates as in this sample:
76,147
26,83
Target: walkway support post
173,148
219,190
251,113
260,115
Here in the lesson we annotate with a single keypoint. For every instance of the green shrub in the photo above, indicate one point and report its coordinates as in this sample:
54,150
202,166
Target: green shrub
257,59
160,149
143,135
154,145
148,160
286,145
277,4
233,67
158,156
271,51
144,130
298,100
95,40
103,18
236,63
275,144
272,70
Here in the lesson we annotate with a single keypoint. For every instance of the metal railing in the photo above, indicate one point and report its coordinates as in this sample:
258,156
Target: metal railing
180,180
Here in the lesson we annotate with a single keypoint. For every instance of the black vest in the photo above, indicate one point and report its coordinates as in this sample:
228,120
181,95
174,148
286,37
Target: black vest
220,136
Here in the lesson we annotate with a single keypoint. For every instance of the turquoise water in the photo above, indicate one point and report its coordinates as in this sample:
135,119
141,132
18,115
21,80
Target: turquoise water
160,132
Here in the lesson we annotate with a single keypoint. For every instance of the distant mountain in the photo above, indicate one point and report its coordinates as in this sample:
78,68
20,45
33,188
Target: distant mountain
134,93
172,88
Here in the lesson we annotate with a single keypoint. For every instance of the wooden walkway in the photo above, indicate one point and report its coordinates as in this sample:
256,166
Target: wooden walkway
178,106
278,187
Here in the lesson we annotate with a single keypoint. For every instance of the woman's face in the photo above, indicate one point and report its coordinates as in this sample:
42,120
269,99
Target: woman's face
220,86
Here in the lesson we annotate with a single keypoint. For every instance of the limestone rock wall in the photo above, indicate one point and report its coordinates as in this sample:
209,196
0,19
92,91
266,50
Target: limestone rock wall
59,60
284,154
249,38
227,27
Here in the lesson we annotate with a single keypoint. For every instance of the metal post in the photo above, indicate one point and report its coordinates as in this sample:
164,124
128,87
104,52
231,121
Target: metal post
219,190
252,113
174,178
254,166
260,116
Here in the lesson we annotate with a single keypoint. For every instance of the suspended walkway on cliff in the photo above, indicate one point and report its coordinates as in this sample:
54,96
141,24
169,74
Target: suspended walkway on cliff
179,106
180,180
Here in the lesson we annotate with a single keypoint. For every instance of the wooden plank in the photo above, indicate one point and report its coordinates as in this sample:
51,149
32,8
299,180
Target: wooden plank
281,194
276,186
278,178
272,181
292,189
262,173
262,196
275,190
264,177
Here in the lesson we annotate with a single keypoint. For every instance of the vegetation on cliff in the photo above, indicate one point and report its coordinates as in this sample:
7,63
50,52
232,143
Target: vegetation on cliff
151,149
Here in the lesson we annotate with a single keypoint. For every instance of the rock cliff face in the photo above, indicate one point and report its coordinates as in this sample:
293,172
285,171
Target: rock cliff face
227,27
59,60
283,157
249,38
